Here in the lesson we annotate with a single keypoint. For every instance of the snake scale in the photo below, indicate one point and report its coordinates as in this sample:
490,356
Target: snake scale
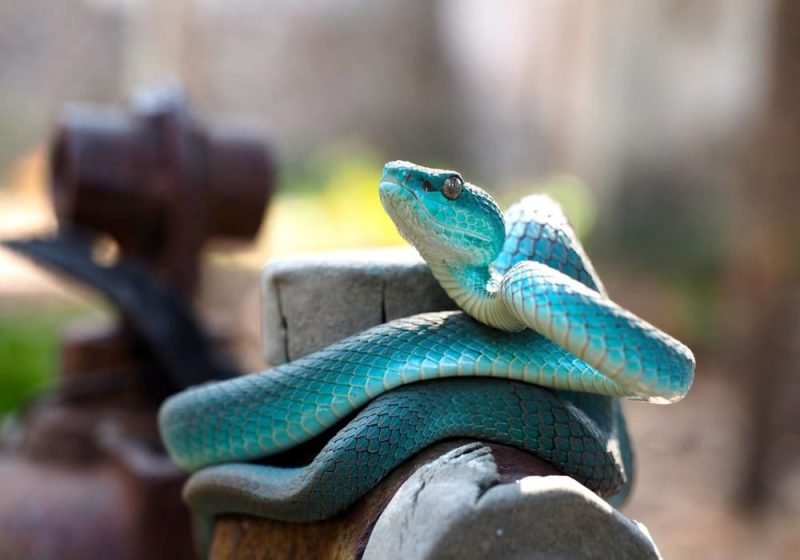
536,360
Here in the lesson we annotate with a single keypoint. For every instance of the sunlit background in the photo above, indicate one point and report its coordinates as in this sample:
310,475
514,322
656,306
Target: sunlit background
641,118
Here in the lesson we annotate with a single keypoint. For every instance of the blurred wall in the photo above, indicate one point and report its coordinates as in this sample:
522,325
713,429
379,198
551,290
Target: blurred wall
499,89
52,51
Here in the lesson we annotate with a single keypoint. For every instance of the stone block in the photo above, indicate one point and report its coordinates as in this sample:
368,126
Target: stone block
455,508
313,300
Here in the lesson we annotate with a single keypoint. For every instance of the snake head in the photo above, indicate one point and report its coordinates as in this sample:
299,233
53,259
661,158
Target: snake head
442,216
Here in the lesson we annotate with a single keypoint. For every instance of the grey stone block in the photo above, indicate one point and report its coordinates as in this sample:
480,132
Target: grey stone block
455,509
313,300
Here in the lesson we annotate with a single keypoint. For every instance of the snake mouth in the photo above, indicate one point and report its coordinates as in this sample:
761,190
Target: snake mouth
386,187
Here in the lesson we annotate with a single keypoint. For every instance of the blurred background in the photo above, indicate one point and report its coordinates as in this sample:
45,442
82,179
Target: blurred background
669,130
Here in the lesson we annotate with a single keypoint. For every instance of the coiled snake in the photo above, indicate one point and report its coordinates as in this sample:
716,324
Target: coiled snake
551,350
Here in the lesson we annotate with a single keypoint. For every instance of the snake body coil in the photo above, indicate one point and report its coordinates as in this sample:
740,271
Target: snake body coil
551,352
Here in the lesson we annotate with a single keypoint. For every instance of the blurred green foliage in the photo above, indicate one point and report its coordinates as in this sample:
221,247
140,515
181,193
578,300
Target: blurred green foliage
331,201
27,360
29,336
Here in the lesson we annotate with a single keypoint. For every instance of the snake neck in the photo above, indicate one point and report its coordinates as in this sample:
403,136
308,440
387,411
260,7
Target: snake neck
475,290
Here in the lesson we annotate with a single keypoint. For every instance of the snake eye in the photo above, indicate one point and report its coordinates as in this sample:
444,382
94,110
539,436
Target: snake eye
452,187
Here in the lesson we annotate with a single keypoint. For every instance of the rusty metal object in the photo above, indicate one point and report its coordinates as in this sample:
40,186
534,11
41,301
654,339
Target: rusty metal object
158,181
85,473
120,501
239,537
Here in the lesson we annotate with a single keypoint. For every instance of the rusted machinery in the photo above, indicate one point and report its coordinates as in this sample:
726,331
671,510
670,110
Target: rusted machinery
84,473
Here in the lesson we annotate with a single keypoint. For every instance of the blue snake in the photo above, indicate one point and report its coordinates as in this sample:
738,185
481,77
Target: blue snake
536,360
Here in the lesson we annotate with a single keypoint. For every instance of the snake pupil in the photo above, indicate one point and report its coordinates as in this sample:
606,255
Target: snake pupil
452,187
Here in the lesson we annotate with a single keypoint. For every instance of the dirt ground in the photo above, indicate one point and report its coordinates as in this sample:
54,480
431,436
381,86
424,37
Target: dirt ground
689,463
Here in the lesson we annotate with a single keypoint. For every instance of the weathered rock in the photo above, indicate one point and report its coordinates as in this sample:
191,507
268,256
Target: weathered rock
311,301
455,504
454,508
344,537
